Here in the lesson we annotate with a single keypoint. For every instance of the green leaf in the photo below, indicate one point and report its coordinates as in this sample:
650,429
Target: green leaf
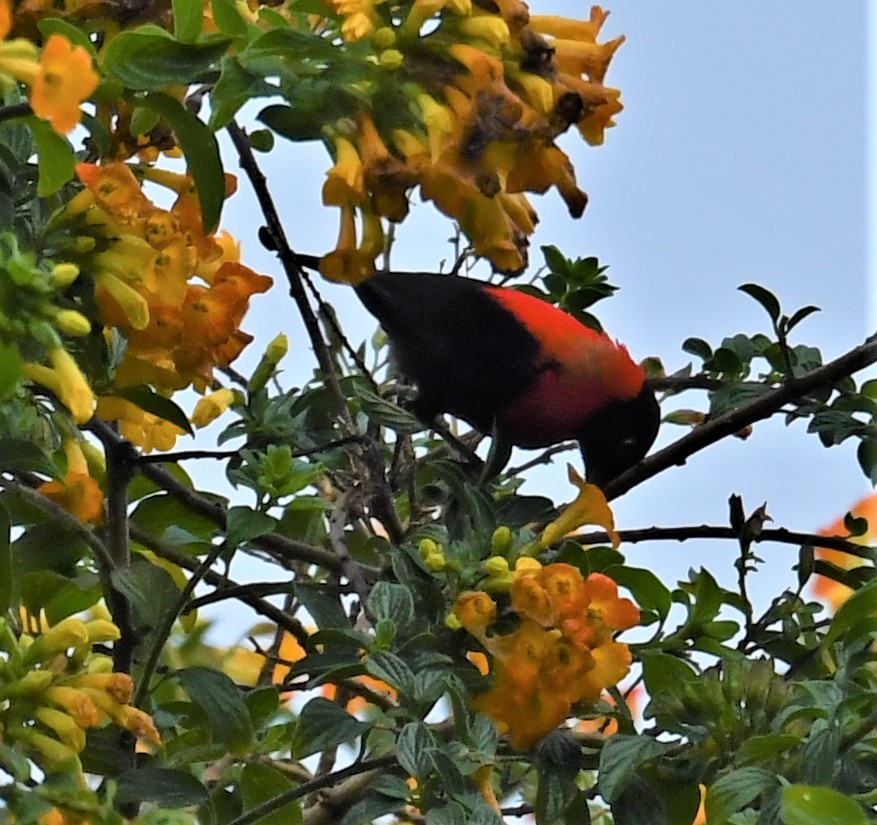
665,673
228,19
323,725
735,790
244,524
234,88
620,759
19,455
56,25
800,315
638,804
647,589
388,414
762,748
861,604
150,590
202,154
867,456
764,297
148,59
148,400
55,159
188,15
259,783
222,703
555,260
5,561
285,42
389,668
393,602
805,805
262,703
414,749
326,610
698,347
371,808
161,786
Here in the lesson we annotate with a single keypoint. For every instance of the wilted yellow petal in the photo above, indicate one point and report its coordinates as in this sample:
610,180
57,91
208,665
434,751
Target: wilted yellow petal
589,507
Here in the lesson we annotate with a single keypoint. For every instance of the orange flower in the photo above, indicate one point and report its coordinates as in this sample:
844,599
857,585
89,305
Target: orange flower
66,78
590,507
5,18
79,494
833,593
115,188
475,610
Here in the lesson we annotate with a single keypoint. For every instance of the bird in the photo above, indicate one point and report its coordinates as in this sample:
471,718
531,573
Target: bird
511,364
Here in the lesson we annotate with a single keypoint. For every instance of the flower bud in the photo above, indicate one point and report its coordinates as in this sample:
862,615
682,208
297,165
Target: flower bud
65,274
427,547
75,702
501,540
383,37
32,683
495,566
71,322
55,755
118,686
391,60
435,562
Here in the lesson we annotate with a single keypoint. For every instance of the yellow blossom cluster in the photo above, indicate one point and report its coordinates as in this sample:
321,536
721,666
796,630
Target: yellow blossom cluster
60,76
562,653
53,687
178,295
479,97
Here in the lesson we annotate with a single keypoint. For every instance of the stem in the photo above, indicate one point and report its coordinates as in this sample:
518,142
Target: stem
779,535
272,805
724,425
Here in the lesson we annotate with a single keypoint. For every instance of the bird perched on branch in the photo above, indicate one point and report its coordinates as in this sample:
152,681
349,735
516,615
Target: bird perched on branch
514,365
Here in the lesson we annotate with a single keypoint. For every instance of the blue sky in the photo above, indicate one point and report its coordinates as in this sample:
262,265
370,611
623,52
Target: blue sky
741,156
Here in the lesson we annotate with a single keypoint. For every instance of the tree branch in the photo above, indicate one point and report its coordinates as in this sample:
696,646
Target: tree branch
279,244
724,425
779,535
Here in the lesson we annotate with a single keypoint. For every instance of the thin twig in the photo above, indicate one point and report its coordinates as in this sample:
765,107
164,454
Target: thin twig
732,422
60,516
15,111
779,535
276,237
349,567
543,458
163,631
186,455
277,802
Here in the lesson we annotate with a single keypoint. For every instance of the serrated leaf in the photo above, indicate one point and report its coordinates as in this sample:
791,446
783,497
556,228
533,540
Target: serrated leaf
323,725
223,705
621,757
388,414
202,154
389,668
149,59
259,783
55,159
764,297
148,400
19,455
163,787
244,524
733,791
805,805
391,601
414,748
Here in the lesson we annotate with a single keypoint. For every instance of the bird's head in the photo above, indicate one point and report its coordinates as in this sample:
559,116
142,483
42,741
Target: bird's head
618,435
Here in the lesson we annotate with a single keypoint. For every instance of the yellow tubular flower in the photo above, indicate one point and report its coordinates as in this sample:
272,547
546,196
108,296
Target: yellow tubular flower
64,274
52,753
118,686
131,302
69,632
439,123
461,7
210,407
487,27
344,181
71,322
63,725
75,702
102,630
585,30
65,379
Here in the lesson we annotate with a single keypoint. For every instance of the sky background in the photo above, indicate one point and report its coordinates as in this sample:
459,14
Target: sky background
741,156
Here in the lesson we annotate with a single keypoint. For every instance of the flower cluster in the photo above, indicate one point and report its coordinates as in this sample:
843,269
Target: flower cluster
54,687
476,106
60,76
178,295
562,653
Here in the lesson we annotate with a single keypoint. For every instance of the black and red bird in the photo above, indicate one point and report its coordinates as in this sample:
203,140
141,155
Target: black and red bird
509,363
